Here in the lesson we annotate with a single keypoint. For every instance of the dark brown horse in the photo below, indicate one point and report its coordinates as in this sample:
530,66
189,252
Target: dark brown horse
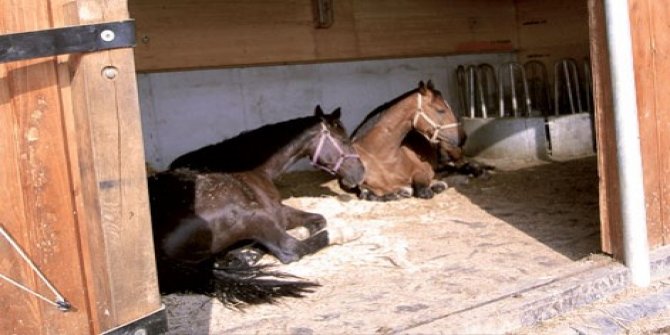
399,163
201,215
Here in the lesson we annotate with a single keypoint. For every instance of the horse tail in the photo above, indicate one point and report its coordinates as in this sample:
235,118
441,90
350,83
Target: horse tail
235,285
258,284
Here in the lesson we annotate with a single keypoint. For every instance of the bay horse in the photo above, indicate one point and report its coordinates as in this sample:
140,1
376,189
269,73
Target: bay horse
398,162
204,208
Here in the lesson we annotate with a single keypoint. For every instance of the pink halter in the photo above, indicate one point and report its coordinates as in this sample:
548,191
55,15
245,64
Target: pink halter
325,135
436,127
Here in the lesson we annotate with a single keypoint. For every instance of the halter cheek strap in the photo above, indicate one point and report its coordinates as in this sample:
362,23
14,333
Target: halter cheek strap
326,136
436,127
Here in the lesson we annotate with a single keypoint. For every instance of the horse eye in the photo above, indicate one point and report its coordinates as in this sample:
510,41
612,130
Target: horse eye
441,111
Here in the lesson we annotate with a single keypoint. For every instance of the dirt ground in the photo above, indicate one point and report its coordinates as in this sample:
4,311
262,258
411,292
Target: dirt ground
413,259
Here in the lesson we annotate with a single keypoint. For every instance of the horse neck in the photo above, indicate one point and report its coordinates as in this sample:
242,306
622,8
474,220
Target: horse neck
286,156
394,125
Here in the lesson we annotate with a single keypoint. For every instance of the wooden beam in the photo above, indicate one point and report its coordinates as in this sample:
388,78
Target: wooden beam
610,208
174,34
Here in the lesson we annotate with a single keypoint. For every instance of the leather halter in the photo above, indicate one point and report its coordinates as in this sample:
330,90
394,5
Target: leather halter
325,135
436,127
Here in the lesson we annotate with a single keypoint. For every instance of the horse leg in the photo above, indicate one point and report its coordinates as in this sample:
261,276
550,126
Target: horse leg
289,249
252,253
421,174
295,218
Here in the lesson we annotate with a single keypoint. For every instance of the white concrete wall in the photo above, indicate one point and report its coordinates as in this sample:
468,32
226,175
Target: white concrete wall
182,111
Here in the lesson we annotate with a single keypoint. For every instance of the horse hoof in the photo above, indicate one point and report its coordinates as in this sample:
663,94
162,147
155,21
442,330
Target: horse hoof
405,192
390,197
372,197
343,235
285,258
457,180
438,186
425,193
299,233
245,256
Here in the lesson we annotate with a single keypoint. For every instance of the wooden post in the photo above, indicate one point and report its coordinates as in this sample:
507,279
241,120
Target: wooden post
651,47
74,192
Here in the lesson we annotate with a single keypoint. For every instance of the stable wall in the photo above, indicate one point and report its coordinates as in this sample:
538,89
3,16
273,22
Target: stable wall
174,34
373,51
182,111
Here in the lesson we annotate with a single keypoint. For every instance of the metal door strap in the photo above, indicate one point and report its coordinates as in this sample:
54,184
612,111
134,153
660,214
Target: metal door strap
60,302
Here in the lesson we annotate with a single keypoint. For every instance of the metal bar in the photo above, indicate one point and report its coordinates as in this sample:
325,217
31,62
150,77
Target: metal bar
462,88
512,84
538,79
526,91
575,79
629,156
471,89
589,84
568,85
501,92
487,75
480,89
66,40
557,90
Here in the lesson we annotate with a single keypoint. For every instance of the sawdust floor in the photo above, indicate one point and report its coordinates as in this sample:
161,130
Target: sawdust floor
415,259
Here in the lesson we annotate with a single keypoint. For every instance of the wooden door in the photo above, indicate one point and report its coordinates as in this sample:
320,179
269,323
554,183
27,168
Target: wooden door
651,56
73,191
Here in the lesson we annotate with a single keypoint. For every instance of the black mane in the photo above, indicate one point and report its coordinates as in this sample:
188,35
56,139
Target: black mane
373,117
247,150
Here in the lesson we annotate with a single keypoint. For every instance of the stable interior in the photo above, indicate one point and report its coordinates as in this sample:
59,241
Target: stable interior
211,70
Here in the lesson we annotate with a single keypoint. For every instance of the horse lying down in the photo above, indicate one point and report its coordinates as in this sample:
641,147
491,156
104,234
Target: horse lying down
399,144
213,200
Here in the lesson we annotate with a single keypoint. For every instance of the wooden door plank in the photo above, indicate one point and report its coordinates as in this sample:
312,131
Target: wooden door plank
38,173
12,217
642,35
610,214
660,25
111,156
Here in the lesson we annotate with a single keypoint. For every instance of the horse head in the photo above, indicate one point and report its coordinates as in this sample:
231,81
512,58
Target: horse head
435,119
333,152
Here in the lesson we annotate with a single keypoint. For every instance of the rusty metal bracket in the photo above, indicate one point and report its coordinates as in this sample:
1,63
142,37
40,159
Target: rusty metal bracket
67,40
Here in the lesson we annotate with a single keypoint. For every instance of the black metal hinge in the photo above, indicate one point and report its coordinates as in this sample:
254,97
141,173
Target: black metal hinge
152,324
67,40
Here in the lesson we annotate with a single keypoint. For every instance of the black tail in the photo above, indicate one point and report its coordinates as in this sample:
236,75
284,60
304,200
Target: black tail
234,285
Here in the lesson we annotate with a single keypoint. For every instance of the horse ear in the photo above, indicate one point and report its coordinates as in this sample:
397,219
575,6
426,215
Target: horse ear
430,85
336,113
422,88
318,112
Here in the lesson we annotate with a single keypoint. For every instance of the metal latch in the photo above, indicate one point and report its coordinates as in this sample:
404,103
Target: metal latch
67,40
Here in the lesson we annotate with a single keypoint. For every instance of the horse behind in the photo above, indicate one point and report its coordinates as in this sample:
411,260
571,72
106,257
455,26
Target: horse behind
199,216
394,168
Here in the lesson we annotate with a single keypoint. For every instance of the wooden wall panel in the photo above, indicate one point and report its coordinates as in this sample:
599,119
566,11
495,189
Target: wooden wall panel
651,51
552,30
174,34
433,27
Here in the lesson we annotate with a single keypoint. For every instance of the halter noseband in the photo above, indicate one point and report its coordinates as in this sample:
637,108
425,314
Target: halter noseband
325,135
436,127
